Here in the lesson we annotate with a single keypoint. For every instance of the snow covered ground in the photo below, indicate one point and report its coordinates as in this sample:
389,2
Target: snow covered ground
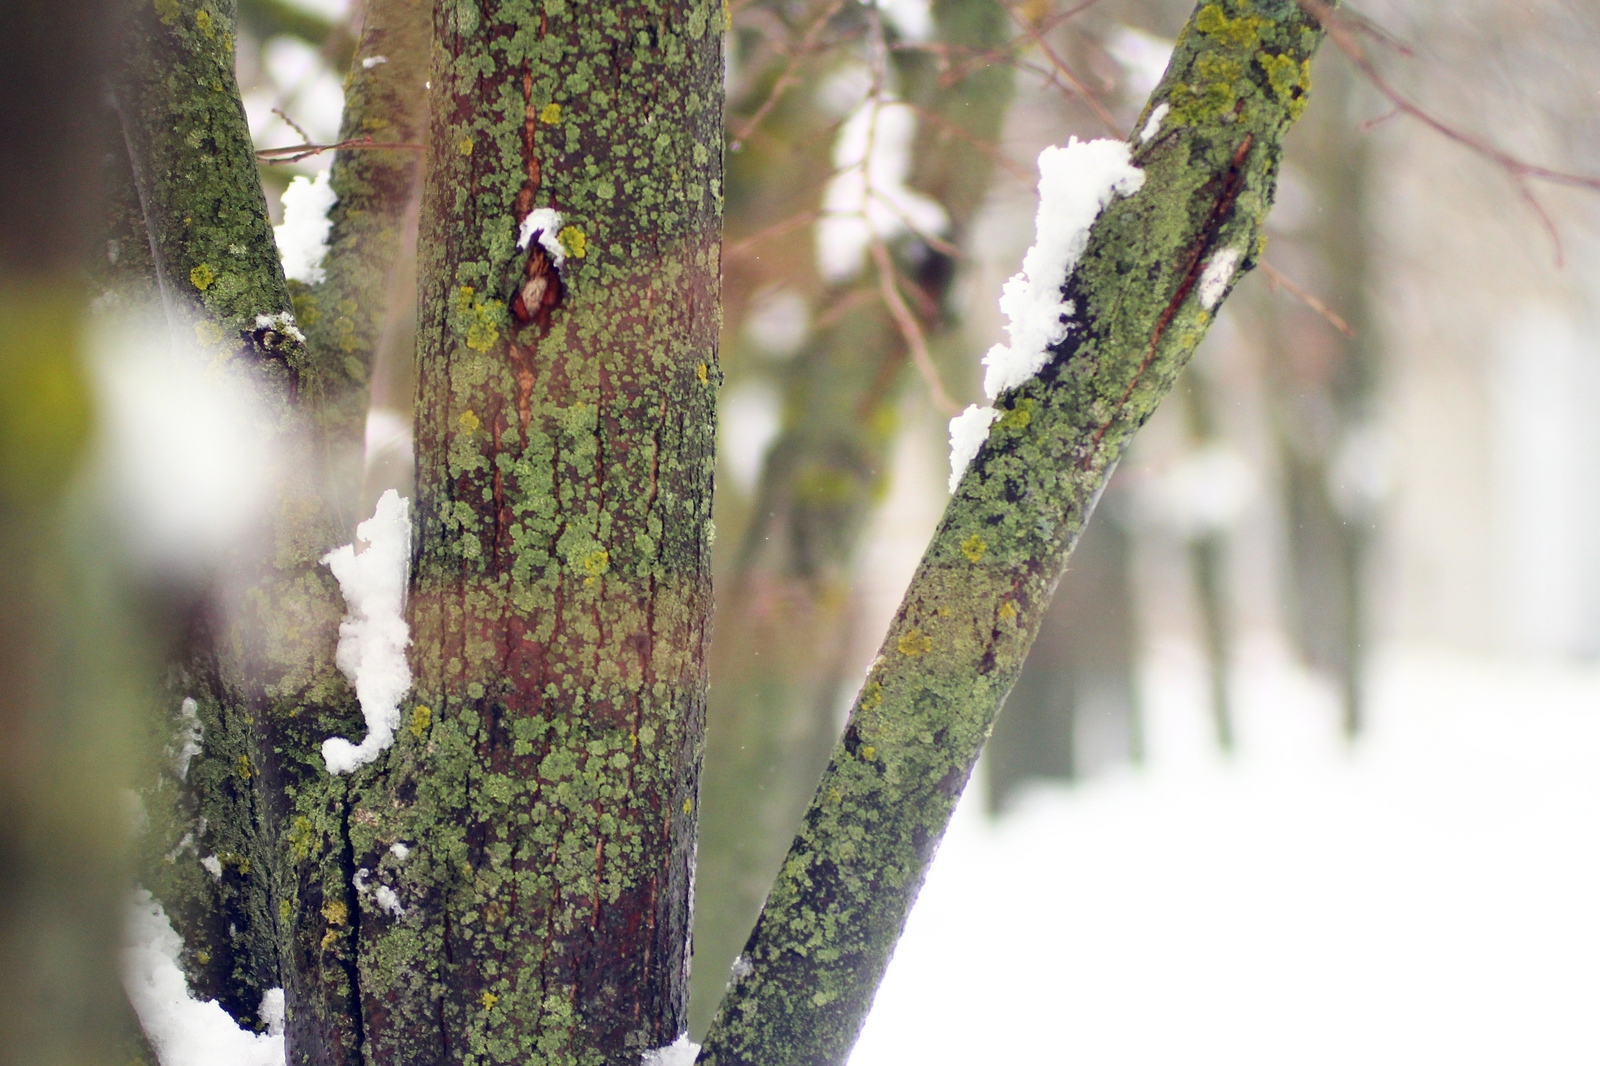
1430,896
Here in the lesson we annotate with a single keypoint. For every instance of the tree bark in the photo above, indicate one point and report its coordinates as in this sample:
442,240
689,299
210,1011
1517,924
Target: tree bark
545,779
1238,78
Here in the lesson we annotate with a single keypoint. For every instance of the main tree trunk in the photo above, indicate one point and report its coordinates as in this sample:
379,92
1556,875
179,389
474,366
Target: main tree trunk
544,784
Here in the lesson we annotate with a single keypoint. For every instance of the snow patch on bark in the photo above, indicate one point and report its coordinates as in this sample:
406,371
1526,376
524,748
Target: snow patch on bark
968,431
303,237
681,1052
545,224
1076,183
373,635
182,1030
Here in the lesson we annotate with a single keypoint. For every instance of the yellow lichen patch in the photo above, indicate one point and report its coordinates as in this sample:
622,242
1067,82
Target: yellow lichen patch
285,910
329,939
207,332
488,999
1243,32
868,752
469,422
872,696
202,19
700,373
202,276
574,240
421,719
1290,80
688,805
974,548
301,837
1019,417
334,912
1007,611
479,319
203,957
243,768
914,643
596,562
551,113
465,147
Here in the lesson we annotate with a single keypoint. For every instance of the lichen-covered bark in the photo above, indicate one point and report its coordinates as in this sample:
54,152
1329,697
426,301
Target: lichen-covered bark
256,802
544,782
1238,79
784,638
216,272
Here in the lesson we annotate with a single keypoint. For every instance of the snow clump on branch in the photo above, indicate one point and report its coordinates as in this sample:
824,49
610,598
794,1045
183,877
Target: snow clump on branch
373,635
303,237
1076,183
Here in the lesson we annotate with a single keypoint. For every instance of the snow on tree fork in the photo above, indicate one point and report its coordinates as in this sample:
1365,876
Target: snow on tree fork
1238,79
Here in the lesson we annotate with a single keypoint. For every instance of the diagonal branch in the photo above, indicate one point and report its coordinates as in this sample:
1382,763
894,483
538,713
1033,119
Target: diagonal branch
808,973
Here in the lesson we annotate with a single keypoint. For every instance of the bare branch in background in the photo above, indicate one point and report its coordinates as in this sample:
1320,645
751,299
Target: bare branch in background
790,74
1277,280
294,153
1342,30
1036,35
910,329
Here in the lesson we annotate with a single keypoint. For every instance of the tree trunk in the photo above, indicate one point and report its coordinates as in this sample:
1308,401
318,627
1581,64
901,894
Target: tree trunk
545,778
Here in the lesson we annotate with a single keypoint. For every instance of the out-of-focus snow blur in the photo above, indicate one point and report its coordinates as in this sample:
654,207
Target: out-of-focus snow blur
184,468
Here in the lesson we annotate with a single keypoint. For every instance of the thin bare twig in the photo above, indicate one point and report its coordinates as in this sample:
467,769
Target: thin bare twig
741,247
1342,33
1277,280
1009,50
295,152
1037,36
292,124
790,73
996,156
910,329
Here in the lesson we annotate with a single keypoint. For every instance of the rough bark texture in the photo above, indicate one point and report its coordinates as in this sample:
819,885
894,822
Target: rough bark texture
545,777
784,638
1238,79
259,663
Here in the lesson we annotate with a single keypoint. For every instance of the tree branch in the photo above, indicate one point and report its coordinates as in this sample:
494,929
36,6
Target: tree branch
810,968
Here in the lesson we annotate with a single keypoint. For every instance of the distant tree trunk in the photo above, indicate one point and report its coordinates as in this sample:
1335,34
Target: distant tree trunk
784,640
1075,706
1324,392
545,778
